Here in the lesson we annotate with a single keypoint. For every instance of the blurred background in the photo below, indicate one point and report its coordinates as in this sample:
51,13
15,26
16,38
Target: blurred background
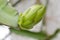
52,18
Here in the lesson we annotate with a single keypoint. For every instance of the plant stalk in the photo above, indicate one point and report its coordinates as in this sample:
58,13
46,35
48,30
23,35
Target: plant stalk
40,35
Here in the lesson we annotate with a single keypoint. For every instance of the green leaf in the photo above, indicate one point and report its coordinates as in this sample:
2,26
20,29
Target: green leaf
8,15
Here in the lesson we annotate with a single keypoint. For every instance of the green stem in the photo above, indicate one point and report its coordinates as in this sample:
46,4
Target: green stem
54,35
40,35
8,16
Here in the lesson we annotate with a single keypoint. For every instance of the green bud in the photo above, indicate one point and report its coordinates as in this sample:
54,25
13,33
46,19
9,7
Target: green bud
31,17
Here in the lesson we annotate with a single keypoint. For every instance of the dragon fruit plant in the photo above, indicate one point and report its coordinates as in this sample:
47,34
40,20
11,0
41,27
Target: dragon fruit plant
25,21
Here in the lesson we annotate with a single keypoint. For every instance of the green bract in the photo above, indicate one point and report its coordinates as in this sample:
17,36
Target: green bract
31,16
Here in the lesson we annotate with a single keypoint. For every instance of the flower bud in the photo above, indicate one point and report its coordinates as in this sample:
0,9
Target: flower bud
31,17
